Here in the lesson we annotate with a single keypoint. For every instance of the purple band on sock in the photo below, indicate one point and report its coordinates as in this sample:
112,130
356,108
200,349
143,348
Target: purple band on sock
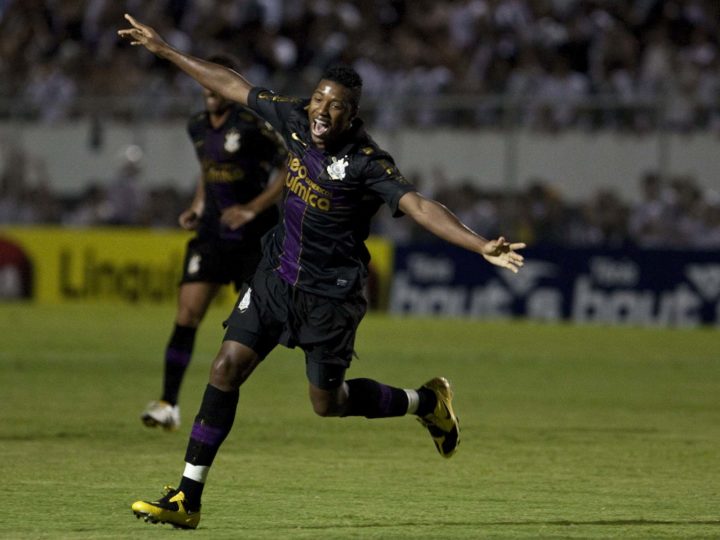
176,356
385,399
209,435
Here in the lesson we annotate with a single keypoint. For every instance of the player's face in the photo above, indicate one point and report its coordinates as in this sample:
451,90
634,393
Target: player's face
214,102
330,111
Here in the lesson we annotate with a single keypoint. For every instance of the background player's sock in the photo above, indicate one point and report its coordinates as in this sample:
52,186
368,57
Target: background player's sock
177,357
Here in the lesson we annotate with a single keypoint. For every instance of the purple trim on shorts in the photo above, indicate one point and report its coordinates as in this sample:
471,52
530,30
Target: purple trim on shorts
177,357
209,435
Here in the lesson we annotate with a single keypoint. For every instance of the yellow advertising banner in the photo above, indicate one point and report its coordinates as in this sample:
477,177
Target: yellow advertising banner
55,265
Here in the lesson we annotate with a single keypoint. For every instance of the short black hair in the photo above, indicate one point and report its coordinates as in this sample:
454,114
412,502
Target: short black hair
349,78
224,59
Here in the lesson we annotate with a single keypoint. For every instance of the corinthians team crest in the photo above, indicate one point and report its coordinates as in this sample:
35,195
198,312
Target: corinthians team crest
193,266
245,302
232,141
336,169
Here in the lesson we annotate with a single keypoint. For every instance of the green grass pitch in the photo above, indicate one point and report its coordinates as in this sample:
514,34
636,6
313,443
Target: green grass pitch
567,432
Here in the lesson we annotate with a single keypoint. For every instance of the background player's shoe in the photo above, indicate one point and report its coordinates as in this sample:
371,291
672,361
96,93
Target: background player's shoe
442,423
168,509
162,414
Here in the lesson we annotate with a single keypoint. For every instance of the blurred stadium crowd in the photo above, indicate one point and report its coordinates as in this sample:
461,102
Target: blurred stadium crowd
591,64
672,213
550,54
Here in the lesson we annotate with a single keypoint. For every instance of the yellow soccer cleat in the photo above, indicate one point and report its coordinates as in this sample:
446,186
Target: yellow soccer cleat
168,509
442,423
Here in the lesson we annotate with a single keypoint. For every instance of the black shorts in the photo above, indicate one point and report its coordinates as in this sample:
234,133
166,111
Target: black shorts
272,312
220,262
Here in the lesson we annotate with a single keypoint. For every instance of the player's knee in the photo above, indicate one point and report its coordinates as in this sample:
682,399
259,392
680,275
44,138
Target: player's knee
232,366
188,316
321,409
324,407
328,402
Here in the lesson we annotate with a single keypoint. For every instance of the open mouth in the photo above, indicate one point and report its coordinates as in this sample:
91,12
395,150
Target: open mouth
320,127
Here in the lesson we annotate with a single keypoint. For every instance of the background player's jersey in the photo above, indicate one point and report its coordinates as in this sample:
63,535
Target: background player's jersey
236,160
328,201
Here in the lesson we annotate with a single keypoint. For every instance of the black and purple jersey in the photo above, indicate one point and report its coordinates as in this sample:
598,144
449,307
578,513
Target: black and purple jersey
329,199
236,160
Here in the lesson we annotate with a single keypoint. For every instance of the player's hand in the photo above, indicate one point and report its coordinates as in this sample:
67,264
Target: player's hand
504,254
236,216
189,220
142,34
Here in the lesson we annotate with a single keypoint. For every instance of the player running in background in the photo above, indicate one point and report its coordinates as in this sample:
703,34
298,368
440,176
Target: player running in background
307,291
234,205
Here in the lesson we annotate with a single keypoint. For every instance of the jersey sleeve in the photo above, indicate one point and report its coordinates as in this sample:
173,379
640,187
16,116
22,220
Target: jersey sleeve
385,179
273,108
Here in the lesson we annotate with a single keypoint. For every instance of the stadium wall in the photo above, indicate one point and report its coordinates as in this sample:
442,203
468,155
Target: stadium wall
589,286
56,265
577,162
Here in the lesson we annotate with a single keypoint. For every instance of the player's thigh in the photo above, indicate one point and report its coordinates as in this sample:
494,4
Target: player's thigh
328,339
258,319
194,298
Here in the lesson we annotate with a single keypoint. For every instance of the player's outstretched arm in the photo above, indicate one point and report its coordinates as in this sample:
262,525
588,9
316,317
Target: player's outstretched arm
226,82
440,221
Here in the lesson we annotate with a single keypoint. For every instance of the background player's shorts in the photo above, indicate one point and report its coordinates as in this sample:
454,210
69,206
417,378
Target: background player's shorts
273,312
220,262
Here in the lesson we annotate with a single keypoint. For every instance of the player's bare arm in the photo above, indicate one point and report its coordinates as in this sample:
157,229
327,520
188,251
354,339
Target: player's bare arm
237,215
189,219
226,82
440,221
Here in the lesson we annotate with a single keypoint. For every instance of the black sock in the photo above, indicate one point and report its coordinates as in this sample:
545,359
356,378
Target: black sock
372,399
427,401
177,357
212,424
193,493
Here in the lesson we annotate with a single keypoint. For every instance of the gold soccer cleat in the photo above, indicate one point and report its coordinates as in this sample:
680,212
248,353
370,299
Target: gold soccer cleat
168,509
442,423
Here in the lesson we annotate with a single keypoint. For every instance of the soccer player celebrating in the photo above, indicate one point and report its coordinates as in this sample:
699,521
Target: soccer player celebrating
307,290
234,205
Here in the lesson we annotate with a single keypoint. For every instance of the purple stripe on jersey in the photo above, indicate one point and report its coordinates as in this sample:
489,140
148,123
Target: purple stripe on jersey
209,435
177,357
224,195
290,258
295,209
314,160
